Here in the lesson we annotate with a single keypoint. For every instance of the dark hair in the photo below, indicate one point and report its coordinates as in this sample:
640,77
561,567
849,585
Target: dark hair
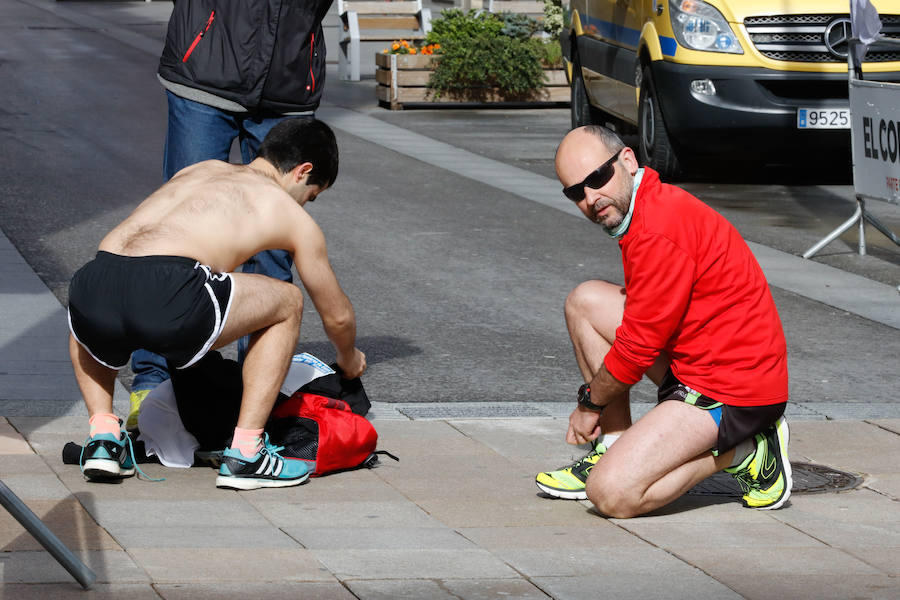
609,137
295,141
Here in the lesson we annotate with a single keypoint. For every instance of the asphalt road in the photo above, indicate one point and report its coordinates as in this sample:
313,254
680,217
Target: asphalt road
458,285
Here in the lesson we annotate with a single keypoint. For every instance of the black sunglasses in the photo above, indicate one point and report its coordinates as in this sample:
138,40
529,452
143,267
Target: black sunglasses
595,180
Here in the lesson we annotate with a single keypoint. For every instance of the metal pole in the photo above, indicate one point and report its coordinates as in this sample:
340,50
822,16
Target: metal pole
857,214
48,540
862,226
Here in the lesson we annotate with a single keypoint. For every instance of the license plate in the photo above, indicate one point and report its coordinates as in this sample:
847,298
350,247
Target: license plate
823,118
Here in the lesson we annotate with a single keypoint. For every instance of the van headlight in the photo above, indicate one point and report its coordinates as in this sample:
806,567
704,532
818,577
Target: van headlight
700,26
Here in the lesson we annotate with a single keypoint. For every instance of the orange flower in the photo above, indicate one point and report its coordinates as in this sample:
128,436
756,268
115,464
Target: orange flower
437,46
396,46
412,50
405,44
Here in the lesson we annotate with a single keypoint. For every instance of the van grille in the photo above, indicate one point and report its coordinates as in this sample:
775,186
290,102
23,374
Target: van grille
801,38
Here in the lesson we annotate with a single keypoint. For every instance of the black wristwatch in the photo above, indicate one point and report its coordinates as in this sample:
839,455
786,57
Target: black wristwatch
584,399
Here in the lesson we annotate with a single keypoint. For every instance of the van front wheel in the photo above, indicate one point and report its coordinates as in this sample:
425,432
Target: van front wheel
654,148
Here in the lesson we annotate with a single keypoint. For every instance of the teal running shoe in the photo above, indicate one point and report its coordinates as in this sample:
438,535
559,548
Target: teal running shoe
106,456
266,468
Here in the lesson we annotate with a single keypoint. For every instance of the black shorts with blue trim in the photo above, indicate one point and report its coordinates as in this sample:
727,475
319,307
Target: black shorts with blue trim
170,305
736,423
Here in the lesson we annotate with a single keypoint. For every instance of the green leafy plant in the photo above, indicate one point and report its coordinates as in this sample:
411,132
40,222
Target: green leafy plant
482,53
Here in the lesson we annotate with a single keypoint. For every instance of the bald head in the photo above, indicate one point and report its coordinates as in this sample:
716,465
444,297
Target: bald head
588,149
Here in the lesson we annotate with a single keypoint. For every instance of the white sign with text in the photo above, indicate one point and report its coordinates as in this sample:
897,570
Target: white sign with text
875,127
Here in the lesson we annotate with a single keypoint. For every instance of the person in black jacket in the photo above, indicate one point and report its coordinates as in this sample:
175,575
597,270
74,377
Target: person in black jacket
232,70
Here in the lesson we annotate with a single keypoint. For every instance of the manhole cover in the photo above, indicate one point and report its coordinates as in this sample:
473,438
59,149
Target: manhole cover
808,479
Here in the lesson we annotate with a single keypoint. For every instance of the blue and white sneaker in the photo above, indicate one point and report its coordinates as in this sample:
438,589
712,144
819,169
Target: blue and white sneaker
266,468
106,457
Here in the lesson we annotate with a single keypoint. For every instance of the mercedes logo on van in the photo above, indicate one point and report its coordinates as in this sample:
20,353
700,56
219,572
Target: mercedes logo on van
837,33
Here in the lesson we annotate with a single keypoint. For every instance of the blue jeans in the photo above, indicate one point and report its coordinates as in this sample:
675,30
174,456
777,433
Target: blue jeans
197,132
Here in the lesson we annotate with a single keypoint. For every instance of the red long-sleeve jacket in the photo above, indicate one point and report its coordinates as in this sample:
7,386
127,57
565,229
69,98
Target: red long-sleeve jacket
694,290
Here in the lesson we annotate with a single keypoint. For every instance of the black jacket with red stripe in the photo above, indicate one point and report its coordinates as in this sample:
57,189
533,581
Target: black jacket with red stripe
266,55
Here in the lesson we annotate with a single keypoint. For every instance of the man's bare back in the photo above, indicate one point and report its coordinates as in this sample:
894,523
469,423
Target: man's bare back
214,212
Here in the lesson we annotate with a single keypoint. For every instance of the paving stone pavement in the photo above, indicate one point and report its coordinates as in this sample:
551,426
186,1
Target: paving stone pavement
458,516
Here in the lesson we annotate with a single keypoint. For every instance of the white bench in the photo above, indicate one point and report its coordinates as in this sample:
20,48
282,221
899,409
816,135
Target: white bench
377,21
532,8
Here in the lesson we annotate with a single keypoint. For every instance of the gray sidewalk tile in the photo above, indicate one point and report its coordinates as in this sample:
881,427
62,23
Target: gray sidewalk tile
887,560
71,590
372,538
37,487
110,566
518,440
889,424
489,589
281,590
776,562
889,484
114,514
196,484
11,442
815,441
487,483
403,589
673,536
360,513
419,439
21,464
589,534
72,426
882,531
149,535
637,562
448,589
360,484
700,509
754,585
852,506
413,564
515,511
691,584
189,565
67,519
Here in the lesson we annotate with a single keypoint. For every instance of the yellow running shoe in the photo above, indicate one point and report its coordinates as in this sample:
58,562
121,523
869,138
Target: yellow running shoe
765,475
568,482
131,424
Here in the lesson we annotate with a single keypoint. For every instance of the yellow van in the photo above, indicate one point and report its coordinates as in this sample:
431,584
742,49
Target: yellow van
701,79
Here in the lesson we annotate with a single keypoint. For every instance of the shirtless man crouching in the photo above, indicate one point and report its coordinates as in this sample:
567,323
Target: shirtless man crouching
163,280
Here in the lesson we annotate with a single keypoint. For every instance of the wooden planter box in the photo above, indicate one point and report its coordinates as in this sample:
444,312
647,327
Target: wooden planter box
401,80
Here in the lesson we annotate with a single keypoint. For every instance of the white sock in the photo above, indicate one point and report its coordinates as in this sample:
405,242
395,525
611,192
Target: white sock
607,439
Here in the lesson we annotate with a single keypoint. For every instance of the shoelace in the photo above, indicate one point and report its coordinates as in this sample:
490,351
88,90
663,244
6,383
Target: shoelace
135,463
585,458
745,480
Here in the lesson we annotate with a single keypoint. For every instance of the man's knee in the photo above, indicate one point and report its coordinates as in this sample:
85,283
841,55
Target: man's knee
592,296
293,302
612,495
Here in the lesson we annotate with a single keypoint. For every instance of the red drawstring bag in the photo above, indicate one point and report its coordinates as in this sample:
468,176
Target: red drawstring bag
323,431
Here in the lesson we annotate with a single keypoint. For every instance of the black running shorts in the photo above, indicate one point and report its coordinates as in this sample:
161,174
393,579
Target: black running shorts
170,305
736,423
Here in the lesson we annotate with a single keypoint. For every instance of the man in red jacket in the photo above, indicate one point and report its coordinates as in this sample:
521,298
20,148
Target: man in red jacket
697,317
